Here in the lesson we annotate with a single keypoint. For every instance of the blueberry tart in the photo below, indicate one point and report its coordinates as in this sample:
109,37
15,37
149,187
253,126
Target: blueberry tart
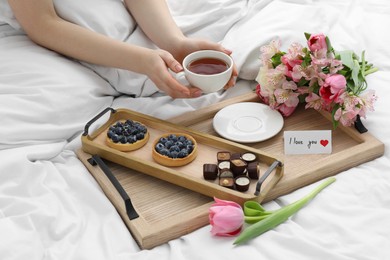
174,149
127,135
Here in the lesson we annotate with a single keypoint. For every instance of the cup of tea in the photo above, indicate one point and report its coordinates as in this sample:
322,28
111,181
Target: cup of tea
207,70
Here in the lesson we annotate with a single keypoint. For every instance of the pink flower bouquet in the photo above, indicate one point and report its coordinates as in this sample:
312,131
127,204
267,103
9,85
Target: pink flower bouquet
318,76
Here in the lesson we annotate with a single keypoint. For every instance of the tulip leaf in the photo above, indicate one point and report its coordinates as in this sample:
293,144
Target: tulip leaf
279,216
347,58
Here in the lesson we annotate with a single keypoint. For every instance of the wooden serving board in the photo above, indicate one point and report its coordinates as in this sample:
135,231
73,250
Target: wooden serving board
189,176
167,211
350,148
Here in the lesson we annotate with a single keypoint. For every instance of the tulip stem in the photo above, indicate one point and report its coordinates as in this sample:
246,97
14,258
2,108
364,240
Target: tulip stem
279,216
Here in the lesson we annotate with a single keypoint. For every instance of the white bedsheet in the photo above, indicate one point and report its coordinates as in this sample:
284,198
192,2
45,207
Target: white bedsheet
51,207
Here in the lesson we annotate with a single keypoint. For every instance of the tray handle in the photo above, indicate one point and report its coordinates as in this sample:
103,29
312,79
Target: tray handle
93,120
359,125
131,212
265,176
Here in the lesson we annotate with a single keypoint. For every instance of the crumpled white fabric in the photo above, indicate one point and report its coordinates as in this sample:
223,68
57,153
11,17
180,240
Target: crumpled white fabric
52,208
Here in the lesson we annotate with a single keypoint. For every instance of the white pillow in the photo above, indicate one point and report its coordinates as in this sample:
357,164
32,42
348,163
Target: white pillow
7,16
45,97
210,19
108,17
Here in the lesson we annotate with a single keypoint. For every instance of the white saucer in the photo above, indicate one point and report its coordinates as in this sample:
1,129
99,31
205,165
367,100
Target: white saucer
248,122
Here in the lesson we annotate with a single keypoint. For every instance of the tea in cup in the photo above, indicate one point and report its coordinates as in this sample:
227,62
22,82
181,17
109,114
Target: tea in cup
207,70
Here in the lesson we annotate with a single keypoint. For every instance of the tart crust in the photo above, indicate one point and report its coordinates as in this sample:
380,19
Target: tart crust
127,147
174,162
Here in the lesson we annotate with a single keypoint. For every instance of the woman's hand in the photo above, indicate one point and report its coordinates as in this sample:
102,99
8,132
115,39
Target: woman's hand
156,68
185,46
167,34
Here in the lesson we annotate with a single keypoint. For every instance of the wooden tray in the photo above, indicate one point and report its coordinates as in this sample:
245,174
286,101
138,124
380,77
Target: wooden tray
189,176
165,210
350,148
162,211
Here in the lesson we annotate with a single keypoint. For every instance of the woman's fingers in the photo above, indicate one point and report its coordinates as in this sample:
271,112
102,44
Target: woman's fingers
170,61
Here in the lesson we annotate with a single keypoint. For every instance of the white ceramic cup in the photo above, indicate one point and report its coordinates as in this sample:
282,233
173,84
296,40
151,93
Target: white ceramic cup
207,83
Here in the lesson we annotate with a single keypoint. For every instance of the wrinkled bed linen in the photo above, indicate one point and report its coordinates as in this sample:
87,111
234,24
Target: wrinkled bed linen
52,208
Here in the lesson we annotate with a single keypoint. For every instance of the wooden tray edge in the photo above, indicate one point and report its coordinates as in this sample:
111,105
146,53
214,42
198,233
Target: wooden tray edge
154,169
149,235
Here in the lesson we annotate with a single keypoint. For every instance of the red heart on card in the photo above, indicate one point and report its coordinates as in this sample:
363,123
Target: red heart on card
324,142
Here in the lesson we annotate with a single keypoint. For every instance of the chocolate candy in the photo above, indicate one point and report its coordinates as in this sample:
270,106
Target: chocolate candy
226,178
235,156
234,169
253,170
242,183
210,171
224,165
223,156
248,157
238,167
227,183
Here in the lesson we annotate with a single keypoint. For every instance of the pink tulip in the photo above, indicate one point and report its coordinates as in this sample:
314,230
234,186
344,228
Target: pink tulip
317,42
332,88
226,218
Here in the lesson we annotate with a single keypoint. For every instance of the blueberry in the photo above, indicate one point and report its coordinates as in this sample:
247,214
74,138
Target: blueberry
164,152
174,148
173,154
139,126
126,132
163,140
190,148
183,153
132,139
159,147
110,133
140,136
188,142
118,130
115,138
181,138
129,122
172,137
168,144
133,131
122,139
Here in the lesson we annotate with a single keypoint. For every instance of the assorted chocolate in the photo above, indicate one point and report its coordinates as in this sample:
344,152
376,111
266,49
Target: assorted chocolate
253,170
234,170
210,171
242,183
223,156
226,178
238,167
248,157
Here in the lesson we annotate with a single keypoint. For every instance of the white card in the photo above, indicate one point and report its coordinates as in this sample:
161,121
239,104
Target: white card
308,142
